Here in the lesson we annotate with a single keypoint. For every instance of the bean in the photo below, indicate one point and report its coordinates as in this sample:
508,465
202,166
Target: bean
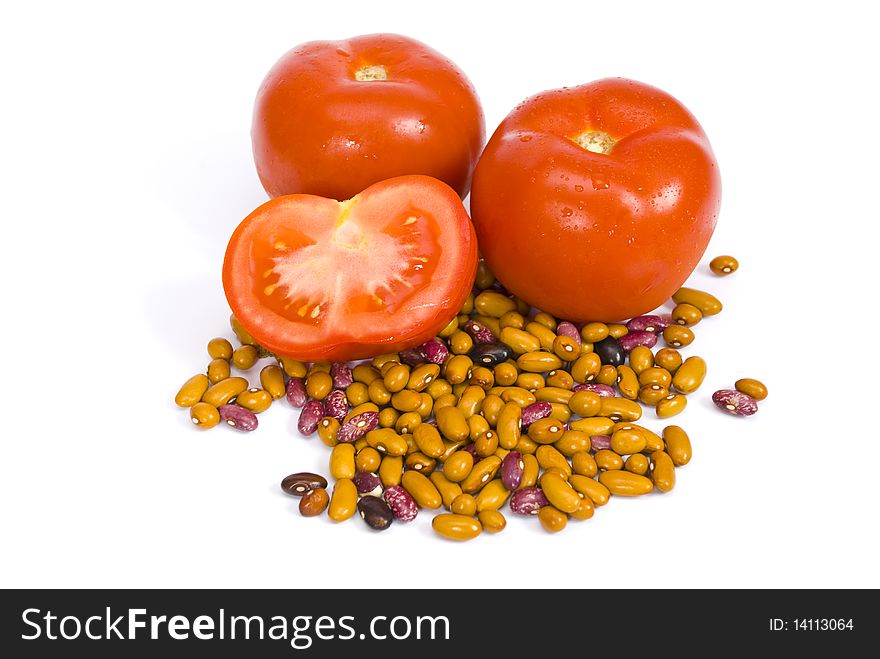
412,357
637,464
552,519
670,406
204,415
240,332
554,395
367,459
668,358
545,319
608,460
310,417
421,490
336,405
640,359
538,362
447,400
458,369
192,390
534,412
388,417
490,354
450,329
419,462
607,375
594,332
512,319
340,374
391,470
678,336
402,505
594,425
301,482
627,440
550,458
559,493
609,351
546,431
368,483
343,502
365,373
224,391
560,379
750,387
492,496
238,417
357,426
686,315
458,465
375,512
690,375
492,521
651,394
625,483
620,409
272,380
456,527
292,368
571,442
525,445
519,341
583,464
509,425
219,348
407,400
464,504
600,442
530,381
328,431
314,502
655,375
601,390
244,357
486,443
627,382
452,423
565,328
478,332
586,367
505,374
512,470
482,377
649,323
490,303
585,510
481,473
428,439
342,461
218,370
735,402
435,351
528,501
396,378
385,361
566,348
677,444
296,392
470,400
663,472
708,304
448,490
617,330
637,338
593,489
386,441
723,265
357,393
421,376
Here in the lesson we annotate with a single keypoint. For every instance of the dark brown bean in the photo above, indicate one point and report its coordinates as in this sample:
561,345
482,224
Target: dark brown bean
375,512
357,427
435,351
238,417
401,503
735,402
314,502
368,483
650,323
535,412
301,482
311,415
528,501
603,390
479,332
490,354
336,405
609,351
296,392
341,374
512,470
637,338
412,357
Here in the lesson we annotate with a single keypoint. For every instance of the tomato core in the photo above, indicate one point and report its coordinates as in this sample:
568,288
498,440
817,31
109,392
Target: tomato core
595,141
370,73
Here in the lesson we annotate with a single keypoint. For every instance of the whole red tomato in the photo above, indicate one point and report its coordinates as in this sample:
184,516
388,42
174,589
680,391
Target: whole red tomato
596,202
334,117
322,280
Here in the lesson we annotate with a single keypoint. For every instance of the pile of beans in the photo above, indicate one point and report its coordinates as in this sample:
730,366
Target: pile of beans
505,404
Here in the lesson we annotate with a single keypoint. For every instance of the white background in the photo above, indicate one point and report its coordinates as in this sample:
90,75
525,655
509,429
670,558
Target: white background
125,157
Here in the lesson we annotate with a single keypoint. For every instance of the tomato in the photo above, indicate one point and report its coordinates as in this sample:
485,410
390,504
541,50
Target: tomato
321,280
334,117
596,202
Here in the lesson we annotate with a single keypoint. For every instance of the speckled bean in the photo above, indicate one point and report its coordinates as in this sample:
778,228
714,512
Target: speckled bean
435,351
512,470
735,402
568,329
528,501
296,392
637,338
649,323
600,442
239,418
336,405
357,427
310,416
479,332
341,374
534,412
603,390
401,503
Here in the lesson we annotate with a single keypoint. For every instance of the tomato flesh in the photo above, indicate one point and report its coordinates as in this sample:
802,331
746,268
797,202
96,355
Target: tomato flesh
318,279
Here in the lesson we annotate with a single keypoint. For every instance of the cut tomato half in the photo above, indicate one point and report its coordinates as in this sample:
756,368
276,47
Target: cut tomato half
317,279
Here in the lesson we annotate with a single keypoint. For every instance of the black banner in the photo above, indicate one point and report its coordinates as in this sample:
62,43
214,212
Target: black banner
416,623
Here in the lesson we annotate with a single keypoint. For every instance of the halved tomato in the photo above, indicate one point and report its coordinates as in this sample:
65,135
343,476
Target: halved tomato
323,280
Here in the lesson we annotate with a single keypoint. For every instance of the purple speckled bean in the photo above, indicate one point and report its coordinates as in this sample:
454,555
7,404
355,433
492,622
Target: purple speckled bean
412,357
568,329
599,442
401,503
512,470
651,323
535,411
296,392
735,402
602,390
311,414
435,351
637,338
479,332
356,427
341,374
528,501
472,449
238,417
368,483
336,405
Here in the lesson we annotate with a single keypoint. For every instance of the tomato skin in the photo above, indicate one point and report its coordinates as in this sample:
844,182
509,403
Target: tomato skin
596,236
320,280
318,130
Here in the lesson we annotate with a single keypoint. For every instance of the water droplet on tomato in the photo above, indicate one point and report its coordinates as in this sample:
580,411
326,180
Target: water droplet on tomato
578,188
566,212
525,138
340,51
600,184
